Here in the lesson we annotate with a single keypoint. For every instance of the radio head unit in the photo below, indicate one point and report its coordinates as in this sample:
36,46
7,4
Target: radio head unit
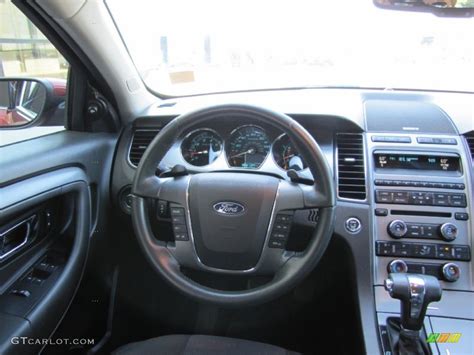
417,161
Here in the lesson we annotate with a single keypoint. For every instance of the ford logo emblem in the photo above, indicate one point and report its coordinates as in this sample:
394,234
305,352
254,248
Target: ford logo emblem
229,208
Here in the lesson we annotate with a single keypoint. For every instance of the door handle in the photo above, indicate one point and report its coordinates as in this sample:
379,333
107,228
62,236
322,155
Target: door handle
15,237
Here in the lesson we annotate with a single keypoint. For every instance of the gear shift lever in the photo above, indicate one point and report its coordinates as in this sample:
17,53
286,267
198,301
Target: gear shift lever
415,293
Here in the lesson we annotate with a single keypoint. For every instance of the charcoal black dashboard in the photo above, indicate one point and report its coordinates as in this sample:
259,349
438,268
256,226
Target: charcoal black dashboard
350,125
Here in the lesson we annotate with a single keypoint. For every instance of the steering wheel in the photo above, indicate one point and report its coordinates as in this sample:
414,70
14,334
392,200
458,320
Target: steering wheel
227,221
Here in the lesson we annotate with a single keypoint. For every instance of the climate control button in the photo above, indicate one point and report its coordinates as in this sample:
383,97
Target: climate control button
448,231
397,229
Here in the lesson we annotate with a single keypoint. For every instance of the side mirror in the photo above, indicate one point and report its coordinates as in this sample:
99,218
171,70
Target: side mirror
24,100
442,8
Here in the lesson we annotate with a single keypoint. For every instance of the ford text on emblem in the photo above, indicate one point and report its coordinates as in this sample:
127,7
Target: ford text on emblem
229,208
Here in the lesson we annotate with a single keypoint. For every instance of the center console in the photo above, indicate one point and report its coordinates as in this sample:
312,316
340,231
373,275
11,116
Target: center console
421,188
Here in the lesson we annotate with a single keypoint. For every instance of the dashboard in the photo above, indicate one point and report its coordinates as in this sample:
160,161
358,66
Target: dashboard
402,164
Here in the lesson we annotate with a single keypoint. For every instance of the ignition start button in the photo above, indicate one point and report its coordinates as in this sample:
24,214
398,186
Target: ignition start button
353,225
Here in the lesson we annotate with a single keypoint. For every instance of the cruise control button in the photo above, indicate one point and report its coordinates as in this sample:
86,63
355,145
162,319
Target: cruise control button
178,220
179,228
181,236
177,211
276,243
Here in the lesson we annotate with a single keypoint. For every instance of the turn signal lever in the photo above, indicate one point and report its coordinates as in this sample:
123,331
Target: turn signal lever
415,293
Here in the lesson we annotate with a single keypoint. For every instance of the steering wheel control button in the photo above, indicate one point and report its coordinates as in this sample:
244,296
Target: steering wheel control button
353,225
177,211
280,230
451,272
182,237
179,228
280,227
284,218
398,265
179,224
397,229
21,293
381,212
275,243
178,220
448,231
162,209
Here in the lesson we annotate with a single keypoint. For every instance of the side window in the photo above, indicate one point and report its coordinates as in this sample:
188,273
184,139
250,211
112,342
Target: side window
33,74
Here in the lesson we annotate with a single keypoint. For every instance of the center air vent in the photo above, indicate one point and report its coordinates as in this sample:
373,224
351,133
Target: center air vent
140,142
351,167
470,142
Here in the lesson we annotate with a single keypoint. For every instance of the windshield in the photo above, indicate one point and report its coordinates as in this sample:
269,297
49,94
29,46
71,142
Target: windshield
192,47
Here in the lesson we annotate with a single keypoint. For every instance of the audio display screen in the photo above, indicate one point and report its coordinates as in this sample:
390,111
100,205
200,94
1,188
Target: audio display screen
416,162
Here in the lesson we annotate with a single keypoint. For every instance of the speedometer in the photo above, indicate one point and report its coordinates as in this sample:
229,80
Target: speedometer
248,147
201,147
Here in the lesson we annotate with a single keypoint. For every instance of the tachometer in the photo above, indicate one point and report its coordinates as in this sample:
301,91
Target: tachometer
248,147
286,155
201,147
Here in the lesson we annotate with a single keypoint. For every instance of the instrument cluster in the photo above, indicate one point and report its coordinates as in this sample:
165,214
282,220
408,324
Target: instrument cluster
247,147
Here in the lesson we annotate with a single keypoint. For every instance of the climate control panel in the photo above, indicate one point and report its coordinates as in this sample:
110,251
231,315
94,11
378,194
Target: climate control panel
449,272
400,229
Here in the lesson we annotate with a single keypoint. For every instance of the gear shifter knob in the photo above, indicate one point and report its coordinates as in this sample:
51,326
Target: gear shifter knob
415,292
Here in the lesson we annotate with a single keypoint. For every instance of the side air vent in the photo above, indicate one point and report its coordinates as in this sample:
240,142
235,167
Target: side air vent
140,142
351,167
470,142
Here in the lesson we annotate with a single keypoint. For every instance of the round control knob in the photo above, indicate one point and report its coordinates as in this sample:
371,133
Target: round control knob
397,229
397,266
353,225
451,272
448,231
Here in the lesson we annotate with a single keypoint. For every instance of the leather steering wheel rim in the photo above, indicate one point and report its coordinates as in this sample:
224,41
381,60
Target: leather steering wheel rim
321,195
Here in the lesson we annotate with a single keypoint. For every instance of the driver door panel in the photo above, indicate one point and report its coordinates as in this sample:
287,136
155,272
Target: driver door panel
53,203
